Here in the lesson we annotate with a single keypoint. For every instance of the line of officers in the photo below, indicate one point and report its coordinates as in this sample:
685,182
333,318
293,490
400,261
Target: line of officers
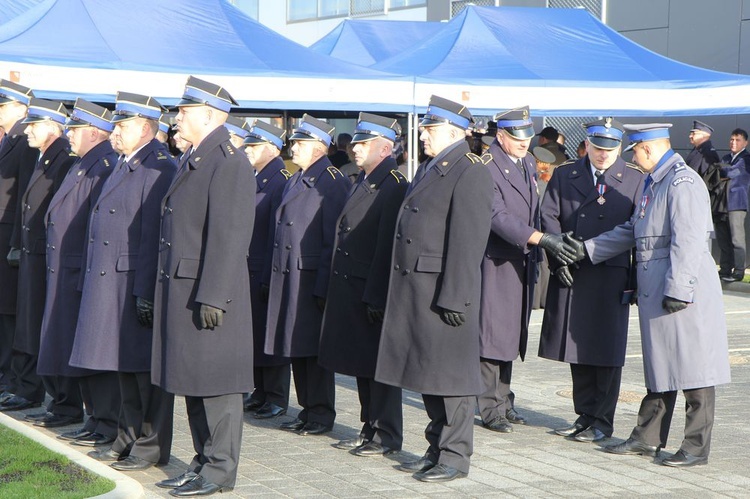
134,274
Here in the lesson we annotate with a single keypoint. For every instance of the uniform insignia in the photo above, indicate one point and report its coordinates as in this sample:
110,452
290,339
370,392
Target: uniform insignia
634,167
472,157
398,176
680,180
525,114
312,179
80,172
46,162
619,175
160,155
444,163
507,171
372,186
197,159
286,173
485,158
71,153
574,172
333,171
608,122
680,167
106,162
265,180
230,149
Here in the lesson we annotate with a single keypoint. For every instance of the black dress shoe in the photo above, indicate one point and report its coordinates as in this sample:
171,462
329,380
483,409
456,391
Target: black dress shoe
104,455
18,403
56,421
93,440
251,404
515,418
37,416
422,464
75,434
131,463
590,434
295,424
197,487
372,449
570,431
500,425
269,410
682,459
314,429
351,443
178,481
5,395
633,447
439,473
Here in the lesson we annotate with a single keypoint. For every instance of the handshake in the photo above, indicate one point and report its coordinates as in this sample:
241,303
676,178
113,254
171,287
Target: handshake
564,248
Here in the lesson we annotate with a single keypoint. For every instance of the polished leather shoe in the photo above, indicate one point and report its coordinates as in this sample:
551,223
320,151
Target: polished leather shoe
371,449
424,463
350,443
104,455
295,424
37,416
251,404
439,473
570,431
633,447
590,434
56,421
314,429
197,487
75,434
132,463
500,425
178,481
18,403
682,459
515,418
5,395
269,410
93,440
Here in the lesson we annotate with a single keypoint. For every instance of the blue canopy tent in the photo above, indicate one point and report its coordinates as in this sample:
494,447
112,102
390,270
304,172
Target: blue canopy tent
366,42
92,48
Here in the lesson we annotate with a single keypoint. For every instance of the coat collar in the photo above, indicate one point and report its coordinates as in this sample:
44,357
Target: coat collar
312,175
443,165
217,138
264,176
60,145
137,159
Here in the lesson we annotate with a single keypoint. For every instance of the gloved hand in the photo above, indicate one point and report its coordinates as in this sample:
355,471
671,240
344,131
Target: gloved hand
265,290
452,318
145,311
672,305
211,317
375,315
580,248
321,303
558,248
564,276
14,257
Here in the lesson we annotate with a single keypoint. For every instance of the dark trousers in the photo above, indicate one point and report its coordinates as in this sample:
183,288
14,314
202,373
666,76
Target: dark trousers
7,335
102,394
381,413
66,396
451,430
497,398
145,419
730,235
316,391
216,428
595,392
29,384
272,384
655,417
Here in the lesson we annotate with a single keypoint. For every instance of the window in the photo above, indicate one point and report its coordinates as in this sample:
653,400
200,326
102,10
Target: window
308,10
298,10
367,7
397,4
333,8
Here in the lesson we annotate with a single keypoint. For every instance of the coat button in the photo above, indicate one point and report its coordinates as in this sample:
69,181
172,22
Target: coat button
398,235
396,267
347,229
645,294
229,301
338,250
112,210
275,268
162,240
52,224
290,223
467,304
406,206
106,243
335,272
52,270
169,245
601,217
161,272
346,253
275,245
278,223
408,241
288,246
91,240
53,246
103,272
405,272
346,276
285,271
415,210
583,215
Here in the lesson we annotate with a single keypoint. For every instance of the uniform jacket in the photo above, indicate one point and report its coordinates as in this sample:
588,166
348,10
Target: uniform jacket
686,349
509,266
359,272
17,162
32,273
739,180
573,330
441,233
303,247
701,157
66,220
206,224
121,262
270,186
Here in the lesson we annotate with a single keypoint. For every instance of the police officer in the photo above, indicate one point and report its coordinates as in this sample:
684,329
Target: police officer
272,373
163,134
300,269
17,162
680,305
359,285
89,128
703,153
430,335
587,197
201,314
115,319
237,128
730,227
44,129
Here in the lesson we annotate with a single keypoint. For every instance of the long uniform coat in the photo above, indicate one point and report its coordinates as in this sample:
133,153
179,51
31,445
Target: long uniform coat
206,225
509,266
66,219
32,276
441,232
587,323
359,272
686,349
303,248
17,162
739,180
701,157
270,186
121,261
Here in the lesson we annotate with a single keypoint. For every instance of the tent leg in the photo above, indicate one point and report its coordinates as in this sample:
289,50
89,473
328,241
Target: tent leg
413,144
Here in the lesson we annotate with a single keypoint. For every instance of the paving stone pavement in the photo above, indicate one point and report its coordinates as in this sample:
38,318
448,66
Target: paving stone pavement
530,462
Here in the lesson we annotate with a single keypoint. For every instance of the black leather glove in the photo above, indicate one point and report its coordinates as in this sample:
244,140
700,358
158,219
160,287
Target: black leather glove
375,315
452,318
145,311
14,257
578,246
321,303
564,276
265,291
557,248
672,305
211,317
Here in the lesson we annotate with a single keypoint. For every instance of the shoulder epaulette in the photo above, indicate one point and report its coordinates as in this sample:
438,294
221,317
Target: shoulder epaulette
566,162
679,167
160,155
230,148
486,158
398,176
473,158
287,174
106,162
71,153
333,171
634,166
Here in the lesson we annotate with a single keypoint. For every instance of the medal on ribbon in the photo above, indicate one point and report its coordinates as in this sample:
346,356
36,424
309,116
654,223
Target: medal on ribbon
602,188
644,203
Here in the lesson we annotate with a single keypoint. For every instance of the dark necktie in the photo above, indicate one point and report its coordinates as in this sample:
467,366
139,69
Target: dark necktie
599,177
519,164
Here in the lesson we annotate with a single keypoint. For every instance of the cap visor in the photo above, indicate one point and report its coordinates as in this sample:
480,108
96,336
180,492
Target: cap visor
520,133
121,117
362,137
544,155
630,146
35,119
302,136
431,122
605,143
250,140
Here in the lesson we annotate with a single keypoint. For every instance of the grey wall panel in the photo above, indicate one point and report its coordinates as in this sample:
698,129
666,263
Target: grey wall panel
744,59
630,15
745,9
438,10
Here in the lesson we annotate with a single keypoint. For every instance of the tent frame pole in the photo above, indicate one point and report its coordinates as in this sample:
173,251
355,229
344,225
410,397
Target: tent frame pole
413,144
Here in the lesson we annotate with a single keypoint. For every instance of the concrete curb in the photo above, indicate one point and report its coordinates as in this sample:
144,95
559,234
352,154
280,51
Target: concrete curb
125,487
736,287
